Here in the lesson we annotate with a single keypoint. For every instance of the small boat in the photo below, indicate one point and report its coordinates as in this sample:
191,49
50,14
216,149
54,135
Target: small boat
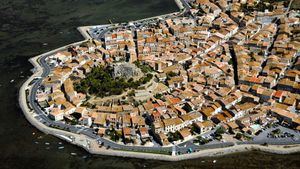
45,44
61,147
47,143
33,70
36,142
12,80
84,157
73,154
214,161
60,143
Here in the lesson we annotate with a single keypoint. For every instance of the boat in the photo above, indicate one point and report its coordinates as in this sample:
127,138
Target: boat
61,147
73,154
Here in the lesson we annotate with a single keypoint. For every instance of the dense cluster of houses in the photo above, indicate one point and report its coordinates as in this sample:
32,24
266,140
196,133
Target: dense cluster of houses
193,58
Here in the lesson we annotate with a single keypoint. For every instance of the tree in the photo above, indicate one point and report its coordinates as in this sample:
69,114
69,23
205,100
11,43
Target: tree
230,62
144,68
187,65
113,134
202,140
238,136
173,136
171,74
194,129
218,133
127,140
101,83
158,96
74,122
131,93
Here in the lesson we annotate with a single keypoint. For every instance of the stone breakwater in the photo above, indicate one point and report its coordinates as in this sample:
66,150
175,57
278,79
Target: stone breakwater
179,4
203,153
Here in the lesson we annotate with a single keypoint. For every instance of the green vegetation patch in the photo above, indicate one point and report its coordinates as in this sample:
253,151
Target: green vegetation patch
201,140
144,68
100,82
173,136
296,5
263,5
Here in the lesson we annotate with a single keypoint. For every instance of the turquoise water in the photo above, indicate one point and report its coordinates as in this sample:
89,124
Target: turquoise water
31,27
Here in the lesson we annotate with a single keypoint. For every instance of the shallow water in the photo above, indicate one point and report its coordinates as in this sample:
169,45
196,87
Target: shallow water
31,27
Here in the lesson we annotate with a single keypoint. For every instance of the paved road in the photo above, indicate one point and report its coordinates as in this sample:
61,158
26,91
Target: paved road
262,137
186,5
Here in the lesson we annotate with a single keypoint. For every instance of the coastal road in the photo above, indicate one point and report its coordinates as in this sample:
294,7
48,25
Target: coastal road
186,5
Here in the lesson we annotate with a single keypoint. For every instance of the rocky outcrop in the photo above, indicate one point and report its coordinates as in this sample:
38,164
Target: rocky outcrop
126,70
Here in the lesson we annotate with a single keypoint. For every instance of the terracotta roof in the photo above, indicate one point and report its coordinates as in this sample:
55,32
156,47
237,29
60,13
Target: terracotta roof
232,125
126,131
185,132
